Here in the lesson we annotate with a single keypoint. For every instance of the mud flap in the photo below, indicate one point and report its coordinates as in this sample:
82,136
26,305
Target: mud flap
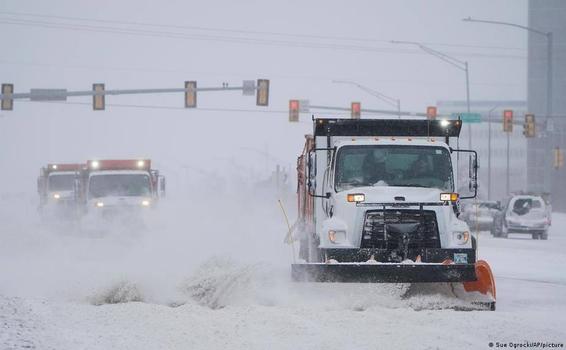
382,273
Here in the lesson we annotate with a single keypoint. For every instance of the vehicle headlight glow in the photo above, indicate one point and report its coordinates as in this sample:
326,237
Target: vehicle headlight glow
94,164
449,197
461,237
141,163
356,197
56,196
444,123
99,204
145,203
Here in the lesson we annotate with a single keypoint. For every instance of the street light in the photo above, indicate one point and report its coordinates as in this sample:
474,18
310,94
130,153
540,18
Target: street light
549,84
461,65
389,100
548,36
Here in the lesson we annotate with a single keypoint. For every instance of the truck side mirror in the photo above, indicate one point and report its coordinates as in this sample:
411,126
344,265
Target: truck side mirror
473,172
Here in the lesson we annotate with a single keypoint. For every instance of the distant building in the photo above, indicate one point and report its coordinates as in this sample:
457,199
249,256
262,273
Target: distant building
547,16
496,187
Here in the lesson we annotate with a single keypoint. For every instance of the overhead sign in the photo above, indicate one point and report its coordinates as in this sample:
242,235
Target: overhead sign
467,117
304,106
48,94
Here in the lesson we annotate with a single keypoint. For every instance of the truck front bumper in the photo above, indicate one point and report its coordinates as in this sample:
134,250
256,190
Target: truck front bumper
382,273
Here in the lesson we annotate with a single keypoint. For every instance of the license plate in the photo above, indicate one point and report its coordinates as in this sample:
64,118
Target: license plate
460,258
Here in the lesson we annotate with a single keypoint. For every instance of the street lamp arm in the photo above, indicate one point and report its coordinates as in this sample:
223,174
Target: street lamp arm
448,59
470,19
389,100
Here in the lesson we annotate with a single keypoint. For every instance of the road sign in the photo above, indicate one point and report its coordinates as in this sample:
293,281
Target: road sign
304,106
467,117
48,95
248,88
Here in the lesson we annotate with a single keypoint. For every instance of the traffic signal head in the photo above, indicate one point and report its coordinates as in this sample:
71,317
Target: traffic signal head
7,103
356,110
190,94
508,120
529,127
558,158
431,112
262,94
98,100
293,110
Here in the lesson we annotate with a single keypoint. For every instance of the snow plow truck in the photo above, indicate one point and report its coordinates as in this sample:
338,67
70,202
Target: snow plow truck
55,186
377,204
118,189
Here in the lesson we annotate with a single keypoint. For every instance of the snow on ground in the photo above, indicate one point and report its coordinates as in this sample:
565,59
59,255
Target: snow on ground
202,278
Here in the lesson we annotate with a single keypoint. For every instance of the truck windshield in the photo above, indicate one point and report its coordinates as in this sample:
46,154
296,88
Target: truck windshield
119,185
61,182
392,165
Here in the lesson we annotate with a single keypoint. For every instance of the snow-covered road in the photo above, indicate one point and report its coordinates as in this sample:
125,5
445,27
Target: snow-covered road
55,290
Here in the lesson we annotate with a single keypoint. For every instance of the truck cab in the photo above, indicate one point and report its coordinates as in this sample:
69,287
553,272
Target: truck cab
111,188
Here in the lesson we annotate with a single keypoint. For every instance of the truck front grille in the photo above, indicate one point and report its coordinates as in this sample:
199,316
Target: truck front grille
400,229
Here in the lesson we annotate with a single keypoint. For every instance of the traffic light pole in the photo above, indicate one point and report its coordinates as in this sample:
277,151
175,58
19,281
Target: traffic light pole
508,174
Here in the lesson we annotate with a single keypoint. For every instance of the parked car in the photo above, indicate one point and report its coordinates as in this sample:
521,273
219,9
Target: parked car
526,214
480,216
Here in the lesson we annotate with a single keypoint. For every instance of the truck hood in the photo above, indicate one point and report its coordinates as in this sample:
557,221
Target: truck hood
387,194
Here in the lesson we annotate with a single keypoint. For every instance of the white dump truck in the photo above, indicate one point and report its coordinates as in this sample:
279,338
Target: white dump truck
118,189
377,203
55,186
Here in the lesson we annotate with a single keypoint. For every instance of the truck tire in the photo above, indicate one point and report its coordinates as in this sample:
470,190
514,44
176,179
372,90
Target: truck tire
535,235
544,235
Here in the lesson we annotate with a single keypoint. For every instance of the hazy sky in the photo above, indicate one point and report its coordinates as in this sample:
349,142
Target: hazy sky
301,46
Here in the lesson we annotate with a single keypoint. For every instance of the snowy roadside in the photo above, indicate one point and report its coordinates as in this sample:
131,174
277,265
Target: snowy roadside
176,302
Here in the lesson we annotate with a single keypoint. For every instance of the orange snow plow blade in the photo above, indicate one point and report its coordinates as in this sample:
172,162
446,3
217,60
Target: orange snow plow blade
485,283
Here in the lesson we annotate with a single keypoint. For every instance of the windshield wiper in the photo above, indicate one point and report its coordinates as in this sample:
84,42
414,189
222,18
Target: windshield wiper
409,185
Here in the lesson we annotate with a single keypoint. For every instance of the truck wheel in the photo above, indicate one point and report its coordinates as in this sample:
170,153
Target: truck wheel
544,235
535,235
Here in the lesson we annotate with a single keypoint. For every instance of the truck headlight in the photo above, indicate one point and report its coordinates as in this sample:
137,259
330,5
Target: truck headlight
336,237
461,237
56,196
145,203
356,197
99,204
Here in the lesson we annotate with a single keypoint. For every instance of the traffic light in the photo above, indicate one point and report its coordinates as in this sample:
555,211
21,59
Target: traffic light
356,110
508,120
529,128
7,103
98,101
190,94
431,112
558,158
293,110
262,94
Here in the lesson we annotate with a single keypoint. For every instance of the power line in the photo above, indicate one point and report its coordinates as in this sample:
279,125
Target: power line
253,32
227,39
